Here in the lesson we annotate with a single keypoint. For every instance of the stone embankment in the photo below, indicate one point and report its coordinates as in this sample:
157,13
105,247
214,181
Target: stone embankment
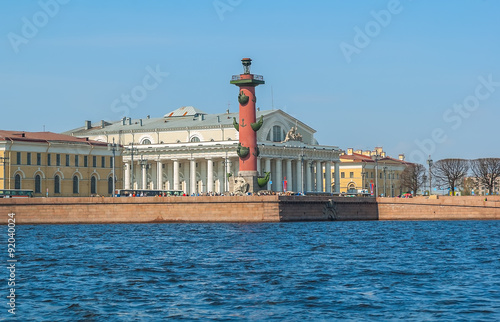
244,209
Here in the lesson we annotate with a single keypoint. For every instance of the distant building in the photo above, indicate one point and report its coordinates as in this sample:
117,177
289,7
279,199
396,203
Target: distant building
190,150
56,164
362,170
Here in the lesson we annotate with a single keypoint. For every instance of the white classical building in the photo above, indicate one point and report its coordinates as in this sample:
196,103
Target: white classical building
192,151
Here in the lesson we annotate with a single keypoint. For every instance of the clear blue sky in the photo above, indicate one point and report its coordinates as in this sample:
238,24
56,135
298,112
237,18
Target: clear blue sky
397,86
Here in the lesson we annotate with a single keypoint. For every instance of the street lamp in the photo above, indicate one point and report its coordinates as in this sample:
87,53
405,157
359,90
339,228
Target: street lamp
143,162
376,174
132,164
430,162
385,176
5,161
424,177
302,155
112,147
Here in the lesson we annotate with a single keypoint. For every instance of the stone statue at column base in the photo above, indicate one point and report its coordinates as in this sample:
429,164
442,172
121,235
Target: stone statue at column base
245,182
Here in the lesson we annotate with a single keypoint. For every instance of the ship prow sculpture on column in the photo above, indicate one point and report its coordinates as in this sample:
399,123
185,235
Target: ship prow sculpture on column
248,179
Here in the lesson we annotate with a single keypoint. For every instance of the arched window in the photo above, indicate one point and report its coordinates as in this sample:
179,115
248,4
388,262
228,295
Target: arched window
38,184
17,181
277,133
110,185
75,184
57,184
146,141
93,185
195,139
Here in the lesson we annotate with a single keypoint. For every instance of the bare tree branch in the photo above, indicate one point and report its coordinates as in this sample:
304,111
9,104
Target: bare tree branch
412,177
450,172
486,171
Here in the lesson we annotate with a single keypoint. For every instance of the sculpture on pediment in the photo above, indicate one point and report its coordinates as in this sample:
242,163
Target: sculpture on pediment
293,135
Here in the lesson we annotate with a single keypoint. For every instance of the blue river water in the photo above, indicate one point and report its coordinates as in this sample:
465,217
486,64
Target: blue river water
355,271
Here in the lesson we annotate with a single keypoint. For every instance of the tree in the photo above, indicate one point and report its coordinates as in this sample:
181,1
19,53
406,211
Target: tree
486,171
450,173
468,186
412,177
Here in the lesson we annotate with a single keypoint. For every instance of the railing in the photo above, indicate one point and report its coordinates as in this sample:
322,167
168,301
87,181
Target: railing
256,77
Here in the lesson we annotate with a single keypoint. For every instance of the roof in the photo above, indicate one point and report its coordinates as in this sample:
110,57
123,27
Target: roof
200,119
44,137
185,111
356,157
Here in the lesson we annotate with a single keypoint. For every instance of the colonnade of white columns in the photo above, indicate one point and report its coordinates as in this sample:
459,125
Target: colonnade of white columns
301,175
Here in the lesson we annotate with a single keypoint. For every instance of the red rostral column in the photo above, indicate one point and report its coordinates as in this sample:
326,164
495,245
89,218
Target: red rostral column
248,150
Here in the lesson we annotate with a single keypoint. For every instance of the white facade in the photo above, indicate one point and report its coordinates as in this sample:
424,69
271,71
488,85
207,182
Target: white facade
196,152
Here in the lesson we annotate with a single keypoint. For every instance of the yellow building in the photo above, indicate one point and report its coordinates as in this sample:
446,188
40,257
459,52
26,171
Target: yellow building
361,171
59,165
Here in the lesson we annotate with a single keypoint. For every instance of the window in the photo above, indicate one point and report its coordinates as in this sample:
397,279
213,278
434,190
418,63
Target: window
94,161
111,163
351,174
85,161
75,184
67,160
76,161
28,158
58,160
38,159
277,133
17,181
380,175
57,184
48,159
103,162
195,139
93,185
342,174
18,158
110,185
146,141
372,174
38,184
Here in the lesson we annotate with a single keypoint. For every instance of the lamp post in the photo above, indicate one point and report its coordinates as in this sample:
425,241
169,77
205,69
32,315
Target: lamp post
302,155
143,162
385,176
376,174
430,162
112,147
4,160
363,179
391,176
132,164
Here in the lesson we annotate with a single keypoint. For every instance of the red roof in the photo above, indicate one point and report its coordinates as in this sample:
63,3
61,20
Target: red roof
356,157
44,137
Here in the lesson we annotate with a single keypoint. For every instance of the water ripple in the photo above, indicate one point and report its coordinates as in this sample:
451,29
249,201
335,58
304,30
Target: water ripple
354,271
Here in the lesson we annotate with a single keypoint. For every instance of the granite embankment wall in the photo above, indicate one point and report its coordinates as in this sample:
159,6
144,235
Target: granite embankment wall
186,209
299,208
243,209
444,208
141,210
